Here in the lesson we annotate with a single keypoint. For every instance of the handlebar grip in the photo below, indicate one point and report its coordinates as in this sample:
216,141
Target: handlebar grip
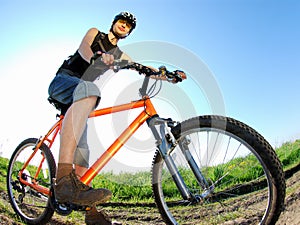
181,74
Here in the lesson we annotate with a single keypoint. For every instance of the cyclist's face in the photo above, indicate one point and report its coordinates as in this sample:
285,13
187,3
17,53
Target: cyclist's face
122,27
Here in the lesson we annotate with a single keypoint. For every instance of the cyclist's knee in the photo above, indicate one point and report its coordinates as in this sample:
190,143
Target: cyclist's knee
87,91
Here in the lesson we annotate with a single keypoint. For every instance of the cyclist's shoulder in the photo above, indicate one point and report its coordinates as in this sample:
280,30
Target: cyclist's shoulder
96,33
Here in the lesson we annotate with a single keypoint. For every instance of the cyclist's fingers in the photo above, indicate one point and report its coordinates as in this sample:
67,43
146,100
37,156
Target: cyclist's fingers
108,59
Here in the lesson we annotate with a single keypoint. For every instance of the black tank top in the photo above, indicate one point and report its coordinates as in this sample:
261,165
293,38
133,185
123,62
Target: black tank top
76,65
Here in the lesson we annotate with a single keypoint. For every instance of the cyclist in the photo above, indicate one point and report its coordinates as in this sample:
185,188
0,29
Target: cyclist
80,96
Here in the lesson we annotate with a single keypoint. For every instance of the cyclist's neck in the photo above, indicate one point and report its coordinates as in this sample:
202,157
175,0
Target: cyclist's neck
112,38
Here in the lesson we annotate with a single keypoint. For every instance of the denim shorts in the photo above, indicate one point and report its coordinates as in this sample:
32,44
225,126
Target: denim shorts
68,89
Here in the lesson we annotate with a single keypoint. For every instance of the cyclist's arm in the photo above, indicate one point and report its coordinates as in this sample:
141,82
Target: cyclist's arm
85,46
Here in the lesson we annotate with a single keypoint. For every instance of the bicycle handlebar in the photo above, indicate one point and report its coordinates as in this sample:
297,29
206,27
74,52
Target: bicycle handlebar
174,76
118,64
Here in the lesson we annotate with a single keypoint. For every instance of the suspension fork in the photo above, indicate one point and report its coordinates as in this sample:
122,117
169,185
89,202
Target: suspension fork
183,144
158,127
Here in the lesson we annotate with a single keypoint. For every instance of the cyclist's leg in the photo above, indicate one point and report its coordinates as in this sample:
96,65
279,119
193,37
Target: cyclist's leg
85,98
82,154
61,89
68,188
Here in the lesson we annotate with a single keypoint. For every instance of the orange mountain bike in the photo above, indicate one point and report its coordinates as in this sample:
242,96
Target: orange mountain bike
203,167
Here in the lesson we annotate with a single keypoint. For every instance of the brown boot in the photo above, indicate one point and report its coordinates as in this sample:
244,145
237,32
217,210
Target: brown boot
94,217
70,190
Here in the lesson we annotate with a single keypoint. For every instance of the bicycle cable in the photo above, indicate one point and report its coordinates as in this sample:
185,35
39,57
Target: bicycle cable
151,92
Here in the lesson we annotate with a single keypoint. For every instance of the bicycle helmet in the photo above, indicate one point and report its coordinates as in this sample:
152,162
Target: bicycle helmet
125,16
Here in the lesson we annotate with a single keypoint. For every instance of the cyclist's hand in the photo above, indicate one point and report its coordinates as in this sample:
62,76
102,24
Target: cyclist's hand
107,59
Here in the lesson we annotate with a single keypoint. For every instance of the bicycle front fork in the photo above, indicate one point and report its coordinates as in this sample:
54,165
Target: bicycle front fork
166,142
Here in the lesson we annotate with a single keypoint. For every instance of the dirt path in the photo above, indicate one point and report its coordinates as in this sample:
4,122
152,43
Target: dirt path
148,215
291,214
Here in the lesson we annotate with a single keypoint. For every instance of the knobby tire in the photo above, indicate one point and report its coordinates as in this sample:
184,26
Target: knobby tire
225,167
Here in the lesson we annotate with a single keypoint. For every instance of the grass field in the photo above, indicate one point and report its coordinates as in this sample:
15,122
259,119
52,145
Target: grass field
136,188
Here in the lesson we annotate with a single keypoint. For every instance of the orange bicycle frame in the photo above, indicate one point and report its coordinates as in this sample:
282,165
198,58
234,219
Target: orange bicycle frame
147,112
49,137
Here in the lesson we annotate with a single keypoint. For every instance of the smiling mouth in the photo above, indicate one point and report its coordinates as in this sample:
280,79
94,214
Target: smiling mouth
122,29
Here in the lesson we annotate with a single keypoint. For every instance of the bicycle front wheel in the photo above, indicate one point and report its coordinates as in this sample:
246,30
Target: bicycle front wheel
243,180
32,206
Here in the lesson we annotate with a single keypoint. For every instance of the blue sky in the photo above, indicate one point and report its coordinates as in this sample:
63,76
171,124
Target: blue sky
251,46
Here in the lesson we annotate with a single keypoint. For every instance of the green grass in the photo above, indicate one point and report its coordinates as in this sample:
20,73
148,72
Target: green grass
137,187
3,169
289,154
126,186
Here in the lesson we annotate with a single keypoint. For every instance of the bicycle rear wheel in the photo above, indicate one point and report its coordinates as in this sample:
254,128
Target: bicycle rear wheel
244,177
31,206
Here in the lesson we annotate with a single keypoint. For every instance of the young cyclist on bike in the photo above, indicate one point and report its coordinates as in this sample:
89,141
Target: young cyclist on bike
80,96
